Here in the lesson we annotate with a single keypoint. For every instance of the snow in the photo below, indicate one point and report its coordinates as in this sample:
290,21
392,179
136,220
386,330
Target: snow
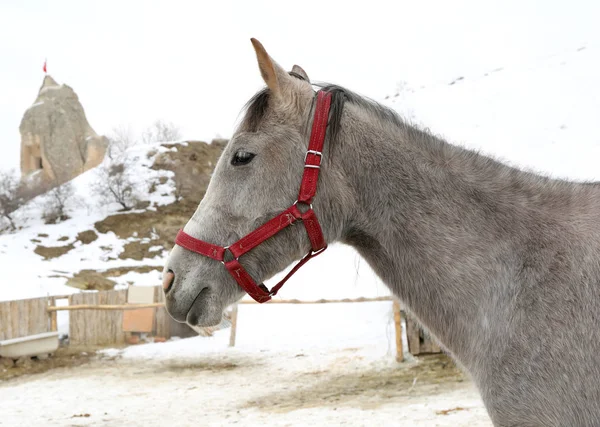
328,369
260,329
539,115
334,387
38,277
151,278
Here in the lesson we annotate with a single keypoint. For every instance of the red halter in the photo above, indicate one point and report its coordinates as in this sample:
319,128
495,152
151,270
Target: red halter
308,189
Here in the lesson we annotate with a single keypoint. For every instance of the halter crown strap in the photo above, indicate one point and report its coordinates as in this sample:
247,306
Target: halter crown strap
308,189
314,155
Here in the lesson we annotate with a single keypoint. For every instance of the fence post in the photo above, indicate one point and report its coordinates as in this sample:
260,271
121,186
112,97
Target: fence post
234,315
53,314
398,328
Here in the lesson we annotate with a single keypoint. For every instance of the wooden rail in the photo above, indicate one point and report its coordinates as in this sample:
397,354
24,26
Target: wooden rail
51,309
161,304
104,307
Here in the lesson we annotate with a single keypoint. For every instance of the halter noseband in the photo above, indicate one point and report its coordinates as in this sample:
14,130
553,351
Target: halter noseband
308,189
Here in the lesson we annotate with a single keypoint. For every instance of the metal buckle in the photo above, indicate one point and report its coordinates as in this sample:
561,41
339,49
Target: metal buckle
316,153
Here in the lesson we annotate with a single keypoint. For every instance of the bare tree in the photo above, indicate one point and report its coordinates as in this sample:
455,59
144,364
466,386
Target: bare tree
161,131
120,139
11,195
114,184
56,203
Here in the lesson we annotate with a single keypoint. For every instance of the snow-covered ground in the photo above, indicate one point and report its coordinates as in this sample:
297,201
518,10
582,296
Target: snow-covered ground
539,114
328,369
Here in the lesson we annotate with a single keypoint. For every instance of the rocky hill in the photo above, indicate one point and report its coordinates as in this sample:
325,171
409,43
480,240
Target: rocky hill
57,142
100,246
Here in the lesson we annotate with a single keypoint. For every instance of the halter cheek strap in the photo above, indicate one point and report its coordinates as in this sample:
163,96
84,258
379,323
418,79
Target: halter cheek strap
308,189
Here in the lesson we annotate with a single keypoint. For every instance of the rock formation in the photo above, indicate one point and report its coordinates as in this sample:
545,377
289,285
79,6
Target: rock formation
57,142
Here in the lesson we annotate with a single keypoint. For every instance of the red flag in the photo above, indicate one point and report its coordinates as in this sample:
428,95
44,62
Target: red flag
45,66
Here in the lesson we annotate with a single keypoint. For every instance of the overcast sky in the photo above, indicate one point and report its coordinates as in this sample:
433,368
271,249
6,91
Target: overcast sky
192,63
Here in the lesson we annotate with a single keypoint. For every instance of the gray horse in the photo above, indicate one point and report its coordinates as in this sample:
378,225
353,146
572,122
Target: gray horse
502,265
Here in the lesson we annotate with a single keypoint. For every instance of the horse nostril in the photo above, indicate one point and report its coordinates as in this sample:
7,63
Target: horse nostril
168,279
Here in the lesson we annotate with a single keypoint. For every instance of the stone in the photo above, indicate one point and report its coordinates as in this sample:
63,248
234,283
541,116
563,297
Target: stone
57,142
24,362
6,363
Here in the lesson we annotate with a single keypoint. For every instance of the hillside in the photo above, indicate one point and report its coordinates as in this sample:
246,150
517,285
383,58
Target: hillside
100,246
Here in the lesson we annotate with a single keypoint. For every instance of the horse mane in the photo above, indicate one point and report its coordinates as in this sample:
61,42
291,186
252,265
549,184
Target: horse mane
436,146
256,108
340,96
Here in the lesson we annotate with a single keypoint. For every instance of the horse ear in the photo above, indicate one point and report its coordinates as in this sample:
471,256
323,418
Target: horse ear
297,69
271,71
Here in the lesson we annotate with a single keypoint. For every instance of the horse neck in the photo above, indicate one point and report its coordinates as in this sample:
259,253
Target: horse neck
440,225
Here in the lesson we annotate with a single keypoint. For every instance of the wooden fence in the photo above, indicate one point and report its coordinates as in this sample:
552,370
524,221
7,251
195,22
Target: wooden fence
89,327
97,319
419,340
97,327
94,326
23,317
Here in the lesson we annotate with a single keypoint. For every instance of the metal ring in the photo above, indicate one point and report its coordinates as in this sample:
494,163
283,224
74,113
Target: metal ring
225,249
310,206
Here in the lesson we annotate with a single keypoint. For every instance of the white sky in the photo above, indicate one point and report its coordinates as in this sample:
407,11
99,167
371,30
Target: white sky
191,62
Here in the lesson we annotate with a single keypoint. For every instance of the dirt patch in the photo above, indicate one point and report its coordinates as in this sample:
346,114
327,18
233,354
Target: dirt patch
137,251
91,280
197,366
63,357
101,280
119,271
49,252
371,387
450,411
193,165
140,250
160,225
87,237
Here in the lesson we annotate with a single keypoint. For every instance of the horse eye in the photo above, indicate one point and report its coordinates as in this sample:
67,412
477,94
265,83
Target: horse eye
242,158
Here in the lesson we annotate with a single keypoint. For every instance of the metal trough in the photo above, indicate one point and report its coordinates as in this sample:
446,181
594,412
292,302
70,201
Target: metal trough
33,345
